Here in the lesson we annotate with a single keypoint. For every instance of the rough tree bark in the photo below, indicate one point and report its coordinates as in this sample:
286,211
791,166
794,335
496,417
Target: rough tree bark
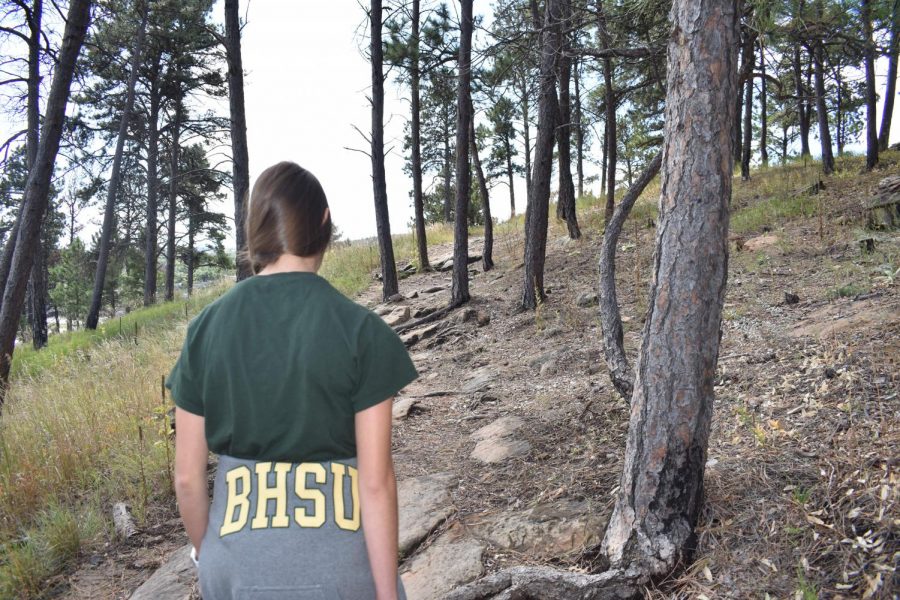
150,247
240,161
565,206
526,137
871,96
747,76
890,86
610,319
459,289
487,253
382,219
651,531
37,188
415,127
539,201
109,213
661,490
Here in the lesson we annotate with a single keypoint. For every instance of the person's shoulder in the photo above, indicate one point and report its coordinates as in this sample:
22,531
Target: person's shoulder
208,312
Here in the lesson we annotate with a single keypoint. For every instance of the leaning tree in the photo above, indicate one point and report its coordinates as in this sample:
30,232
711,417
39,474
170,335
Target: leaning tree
651,531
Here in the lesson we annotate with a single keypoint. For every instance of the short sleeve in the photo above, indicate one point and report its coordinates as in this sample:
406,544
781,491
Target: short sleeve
383,364
183,379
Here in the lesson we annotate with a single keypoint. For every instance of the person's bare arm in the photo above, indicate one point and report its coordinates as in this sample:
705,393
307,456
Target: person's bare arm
191,454
378,495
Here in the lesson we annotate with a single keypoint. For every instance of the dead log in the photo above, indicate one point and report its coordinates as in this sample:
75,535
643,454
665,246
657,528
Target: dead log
548,583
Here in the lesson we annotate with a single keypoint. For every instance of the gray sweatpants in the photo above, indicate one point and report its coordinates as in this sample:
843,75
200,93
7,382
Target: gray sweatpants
280,531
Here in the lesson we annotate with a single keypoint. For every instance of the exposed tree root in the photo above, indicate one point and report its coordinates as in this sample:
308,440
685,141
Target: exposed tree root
435,316
546,583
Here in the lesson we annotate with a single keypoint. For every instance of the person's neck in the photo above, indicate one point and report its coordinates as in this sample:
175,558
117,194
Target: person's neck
287,263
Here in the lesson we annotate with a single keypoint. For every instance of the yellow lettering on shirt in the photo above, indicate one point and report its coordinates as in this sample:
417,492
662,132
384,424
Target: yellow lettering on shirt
338,470
236,501
301,516
266,493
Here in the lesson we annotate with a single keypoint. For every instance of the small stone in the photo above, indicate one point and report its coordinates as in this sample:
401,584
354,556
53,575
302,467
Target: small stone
501,427
548,368
791,298
494,450
830,373
396,298
482,318
587,299
402,408
465,315
400,315
433,290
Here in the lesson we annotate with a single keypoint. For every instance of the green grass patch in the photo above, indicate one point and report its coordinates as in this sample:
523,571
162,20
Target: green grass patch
771,212
846,291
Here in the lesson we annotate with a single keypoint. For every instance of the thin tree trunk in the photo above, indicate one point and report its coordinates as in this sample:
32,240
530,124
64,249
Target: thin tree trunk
839,125
661,489
240,160
605,149
579,132
173,191
610,318
459,291
448,198
150,249
37,189
109,214
487,254
610,99
821,110
526,136
802,113
537,214
379,184
190,250
763,111
37,285
871,96
747,143
565,206
415,126
509,176
890,86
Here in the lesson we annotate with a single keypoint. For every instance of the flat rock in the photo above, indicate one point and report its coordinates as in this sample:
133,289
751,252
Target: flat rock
494,450
587,299
442,567
402,407
761,241
480,380
502,427
548,530
423,504
398,316
172,581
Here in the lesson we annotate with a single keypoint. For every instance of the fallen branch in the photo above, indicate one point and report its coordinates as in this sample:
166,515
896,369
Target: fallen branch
610,319
548,583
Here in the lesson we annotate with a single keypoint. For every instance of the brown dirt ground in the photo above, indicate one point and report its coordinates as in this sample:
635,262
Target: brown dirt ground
802,480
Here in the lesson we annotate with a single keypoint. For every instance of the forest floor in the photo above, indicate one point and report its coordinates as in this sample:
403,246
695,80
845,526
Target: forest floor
802,486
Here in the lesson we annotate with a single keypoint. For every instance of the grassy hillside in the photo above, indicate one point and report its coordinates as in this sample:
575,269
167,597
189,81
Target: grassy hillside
86,423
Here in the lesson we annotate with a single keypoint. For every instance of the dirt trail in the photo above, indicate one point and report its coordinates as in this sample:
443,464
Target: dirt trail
802,487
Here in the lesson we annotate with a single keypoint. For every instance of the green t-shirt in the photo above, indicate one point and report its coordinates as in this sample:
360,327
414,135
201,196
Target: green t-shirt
279,365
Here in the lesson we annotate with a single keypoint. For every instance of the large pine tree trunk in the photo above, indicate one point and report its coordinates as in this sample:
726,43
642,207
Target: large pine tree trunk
240,160
871,96
389,285
802,113
487,254
661,490
150,236
459,291
37,189
109,214
565,206
415,127
890,86
539,202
